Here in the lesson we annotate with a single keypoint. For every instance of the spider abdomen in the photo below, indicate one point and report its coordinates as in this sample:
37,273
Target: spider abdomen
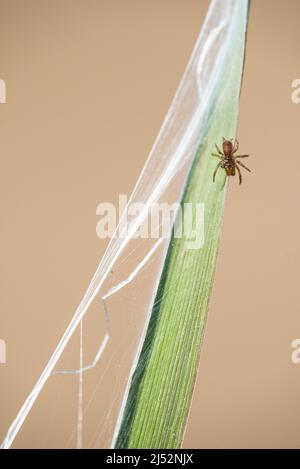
230,170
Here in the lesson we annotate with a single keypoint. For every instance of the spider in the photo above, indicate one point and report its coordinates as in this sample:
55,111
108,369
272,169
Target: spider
229,161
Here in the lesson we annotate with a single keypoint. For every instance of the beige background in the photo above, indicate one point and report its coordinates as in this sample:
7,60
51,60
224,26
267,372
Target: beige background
88,84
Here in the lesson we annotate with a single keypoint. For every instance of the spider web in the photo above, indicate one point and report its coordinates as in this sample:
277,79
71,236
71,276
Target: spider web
114,311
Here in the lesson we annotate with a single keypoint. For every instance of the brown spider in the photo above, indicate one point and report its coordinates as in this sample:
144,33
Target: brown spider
229,159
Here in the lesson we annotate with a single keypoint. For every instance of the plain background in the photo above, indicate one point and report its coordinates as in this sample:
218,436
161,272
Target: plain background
88,84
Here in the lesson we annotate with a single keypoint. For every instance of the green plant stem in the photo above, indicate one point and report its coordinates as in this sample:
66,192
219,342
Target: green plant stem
162,384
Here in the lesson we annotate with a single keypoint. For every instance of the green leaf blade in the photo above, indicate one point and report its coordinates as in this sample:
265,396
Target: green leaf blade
161,388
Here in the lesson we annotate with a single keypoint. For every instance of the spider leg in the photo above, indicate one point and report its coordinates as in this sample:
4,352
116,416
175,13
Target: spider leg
216,170
218,156
242,156
240,174
235,146
241,164
218,149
